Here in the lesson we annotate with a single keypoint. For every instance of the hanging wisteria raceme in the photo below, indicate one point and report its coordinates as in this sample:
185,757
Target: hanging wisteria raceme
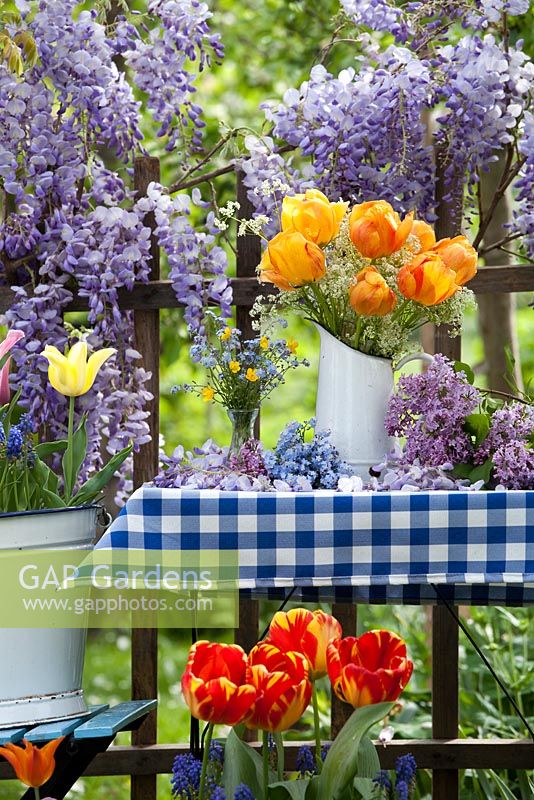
161,65
363,131
524,214
485,91
73,224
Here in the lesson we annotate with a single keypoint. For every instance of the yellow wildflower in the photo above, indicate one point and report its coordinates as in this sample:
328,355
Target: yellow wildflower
264,343
208,394
225,335
292,345
251,375
235,366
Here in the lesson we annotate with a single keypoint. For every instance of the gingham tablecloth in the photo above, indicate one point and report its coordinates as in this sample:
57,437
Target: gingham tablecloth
467,547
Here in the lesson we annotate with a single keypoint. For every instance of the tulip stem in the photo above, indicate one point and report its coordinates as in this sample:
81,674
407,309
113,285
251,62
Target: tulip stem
317,727
205,759
69,477
265,755
37,793
358,333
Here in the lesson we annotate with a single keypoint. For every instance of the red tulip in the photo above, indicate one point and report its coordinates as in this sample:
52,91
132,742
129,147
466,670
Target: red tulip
33,766
11,339
214,685
307,632
281,681
370,669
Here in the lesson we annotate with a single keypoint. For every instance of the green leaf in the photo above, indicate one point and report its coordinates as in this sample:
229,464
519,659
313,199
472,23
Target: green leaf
98,482
73,458
366,788
482,472
461,366
368,761
242,764
46,449
341,763
295,790
477,425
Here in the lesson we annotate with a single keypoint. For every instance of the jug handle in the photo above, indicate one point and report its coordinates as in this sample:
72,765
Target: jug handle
425,357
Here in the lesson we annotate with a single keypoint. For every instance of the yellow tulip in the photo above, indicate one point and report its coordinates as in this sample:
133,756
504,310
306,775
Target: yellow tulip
425,234
460,256
73,375
370,296
292,261
427,280
313,215
376,229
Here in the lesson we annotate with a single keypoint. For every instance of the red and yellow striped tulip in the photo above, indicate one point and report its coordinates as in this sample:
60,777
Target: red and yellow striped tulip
307,632
370,669
425,234
460,256
376,229
313,215
427,280
281,681
292,261
214,683
33,766
370,296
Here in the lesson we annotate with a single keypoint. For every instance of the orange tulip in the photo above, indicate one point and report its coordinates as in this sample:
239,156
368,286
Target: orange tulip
307,632
376,229
427,280
294,261
268,274
370,669
281,681
313,215
370,296
33,766
460,256
214,683
425,234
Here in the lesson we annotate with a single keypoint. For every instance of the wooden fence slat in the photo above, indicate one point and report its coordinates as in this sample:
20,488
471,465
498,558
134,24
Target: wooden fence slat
146,461
430,754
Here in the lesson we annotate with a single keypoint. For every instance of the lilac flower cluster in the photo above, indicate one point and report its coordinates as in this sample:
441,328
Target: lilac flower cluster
162,66
401,785
429,410
299,465
524,213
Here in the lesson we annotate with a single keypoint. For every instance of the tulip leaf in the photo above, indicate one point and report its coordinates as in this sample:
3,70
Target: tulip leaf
366,788
341,763
368,761
289,790
73,458
46,449
98,482
242,764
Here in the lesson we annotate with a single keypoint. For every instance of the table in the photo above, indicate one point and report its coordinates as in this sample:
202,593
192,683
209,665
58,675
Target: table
85,737
469,548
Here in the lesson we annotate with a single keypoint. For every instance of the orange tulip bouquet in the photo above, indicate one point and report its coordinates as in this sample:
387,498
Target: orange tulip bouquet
269,689
364,274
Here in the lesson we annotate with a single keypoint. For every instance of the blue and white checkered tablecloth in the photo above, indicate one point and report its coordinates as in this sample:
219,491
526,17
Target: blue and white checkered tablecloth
475,547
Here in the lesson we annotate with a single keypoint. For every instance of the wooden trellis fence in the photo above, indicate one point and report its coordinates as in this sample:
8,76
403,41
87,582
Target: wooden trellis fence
444,753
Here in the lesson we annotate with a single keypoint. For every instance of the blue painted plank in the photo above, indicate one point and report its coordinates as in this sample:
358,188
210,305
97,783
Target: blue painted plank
110,722
12,735
53,730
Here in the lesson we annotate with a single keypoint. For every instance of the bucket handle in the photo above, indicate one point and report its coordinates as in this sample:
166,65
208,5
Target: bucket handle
425,357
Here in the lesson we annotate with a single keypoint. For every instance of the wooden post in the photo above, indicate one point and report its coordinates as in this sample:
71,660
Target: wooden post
146,462
445,708
347,615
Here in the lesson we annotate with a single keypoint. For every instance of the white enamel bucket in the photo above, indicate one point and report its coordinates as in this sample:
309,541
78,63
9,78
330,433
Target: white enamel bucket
352,397
41,670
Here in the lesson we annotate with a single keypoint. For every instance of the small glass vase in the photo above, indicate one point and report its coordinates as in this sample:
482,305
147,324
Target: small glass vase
242,428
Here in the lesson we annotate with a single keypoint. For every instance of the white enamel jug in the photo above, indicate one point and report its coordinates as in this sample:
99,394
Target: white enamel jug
352,397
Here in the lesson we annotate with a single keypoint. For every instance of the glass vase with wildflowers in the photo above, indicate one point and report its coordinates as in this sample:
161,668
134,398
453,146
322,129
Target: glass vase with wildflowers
241,373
